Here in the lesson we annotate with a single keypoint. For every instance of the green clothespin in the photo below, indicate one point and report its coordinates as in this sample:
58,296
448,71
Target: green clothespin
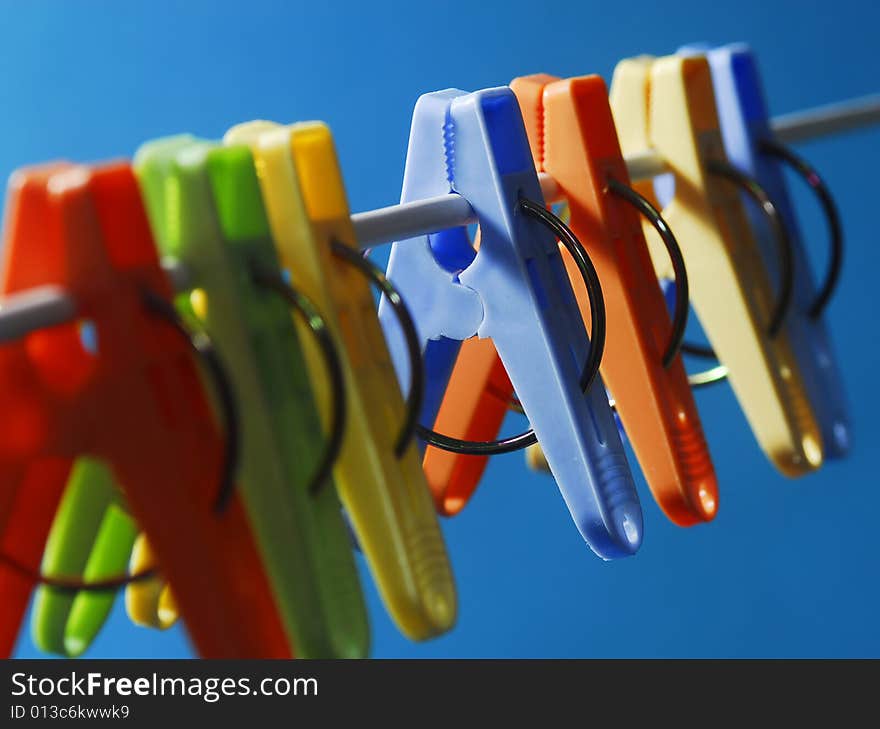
206,211
91,539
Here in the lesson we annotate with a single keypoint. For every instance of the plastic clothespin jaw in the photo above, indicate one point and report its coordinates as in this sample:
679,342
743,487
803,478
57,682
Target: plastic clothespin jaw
745,130
667,105
517,293
136,404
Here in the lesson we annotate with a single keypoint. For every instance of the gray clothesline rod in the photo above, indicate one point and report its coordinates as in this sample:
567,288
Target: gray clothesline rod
46,306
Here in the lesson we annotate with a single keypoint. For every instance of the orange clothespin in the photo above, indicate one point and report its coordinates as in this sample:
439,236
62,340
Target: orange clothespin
136,403
476,400
573,139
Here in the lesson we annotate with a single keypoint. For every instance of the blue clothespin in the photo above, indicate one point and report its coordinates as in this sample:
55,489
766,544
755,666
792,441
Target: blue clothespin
745,126
514,290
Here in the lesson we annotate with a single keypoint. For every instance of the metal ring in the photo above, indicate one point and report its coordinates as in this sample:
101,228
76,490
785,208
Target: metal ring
72,585
753,189
309,312
699,350
715,374
706,377
682,289
417,373
818,186
597,341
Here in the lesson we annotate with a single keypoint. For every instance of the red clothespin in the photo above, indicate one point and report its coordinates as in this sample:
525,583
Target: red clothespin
136,403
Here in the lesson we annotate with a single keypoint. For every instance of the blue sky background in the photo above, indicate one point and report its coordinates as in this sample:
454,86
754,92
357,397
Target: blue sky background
788,568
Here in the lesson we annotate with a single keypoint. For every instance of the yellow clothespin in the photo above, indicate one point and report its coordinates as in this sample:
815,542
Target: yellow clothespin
384,493
667,106
149,603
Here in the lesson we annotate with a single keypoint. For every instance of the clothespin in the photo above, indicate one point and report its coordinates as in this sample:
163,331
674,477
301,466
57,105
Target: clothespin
750,144
573,139
207,213
667,105
136,404
149,603
383,491
91,537
515,292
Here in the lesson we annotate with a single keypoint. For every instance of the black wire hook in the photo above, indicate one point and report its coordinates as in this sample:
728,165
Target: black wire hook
318,326
417,373
597,341
808,173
